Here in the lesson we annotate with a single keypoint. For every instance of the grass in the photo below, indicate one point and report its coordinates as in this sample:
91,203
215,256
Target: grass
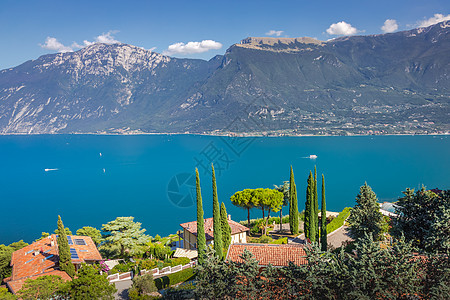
339,220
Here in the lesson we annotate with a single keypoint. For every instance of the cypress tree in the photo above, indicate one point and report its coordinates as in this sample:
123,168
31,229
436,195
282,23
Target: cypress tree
217,223
307,224
226,230
316,208
293,205
323,223
65,261
201,238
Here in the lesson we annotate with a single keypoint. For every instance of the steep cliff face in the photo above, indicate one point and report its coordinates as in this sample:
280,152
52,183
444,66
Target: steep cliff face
96,88
398,82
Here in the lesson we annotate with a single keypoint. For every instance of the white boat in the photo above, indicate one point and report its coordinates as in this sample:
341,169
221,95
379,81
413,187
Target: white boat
312,156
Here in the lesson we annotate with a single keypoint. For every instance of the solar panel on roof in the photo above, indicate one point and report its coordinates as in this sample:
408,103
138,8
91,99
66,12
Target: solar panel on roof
73,254
80,242
69,238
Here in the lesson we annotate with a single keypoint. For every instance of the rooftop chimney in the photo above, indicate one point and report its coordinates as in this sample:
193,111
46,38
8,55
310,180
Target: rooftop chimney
229,217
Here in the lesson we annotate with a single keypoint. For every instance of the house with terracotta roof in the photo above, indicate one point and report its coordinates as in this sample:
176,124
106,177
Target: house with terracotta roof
278,255
42,258
238,233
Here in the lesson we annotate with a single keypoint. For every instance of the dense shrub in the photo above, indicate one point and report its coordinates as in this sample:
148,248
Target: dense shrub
122,268
339,220
174,278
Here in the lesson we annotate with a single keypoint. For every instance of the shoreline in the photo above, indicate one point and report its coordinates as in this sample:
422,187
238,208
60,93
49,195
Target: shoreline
230,135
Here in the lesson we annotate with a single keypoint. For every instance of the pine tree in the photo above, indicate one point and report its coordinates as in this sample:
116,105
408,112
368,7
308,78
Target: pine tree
366,217
201,238
307,223
293,205
323,224
226,230
65,261
217,223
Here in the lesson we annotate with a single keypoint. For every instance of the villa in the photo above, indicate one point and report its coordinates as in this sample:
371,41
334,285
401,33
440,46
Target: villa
42,258
238,233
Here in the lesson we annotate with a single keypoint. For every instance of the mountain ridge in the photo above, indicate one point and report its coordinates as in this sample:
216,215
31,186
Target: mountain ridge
387,83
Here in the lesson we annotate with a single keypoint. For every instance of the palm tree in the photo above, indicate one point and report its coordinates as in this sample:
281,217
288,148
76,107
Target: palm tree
285,190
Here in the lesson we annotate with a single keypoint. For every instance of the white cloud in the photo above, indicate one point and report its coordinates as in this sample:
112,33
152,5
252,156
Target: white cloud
52,43
389,26
192,47
275,32
341,28
437,18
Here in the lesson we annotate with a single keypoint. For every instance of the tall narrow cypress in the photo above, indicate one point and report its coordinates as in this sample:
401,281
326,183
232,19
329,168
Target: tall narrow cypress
316,207
201,239
323,223
226,229
293,205
312,210
307,224
217,223
65,260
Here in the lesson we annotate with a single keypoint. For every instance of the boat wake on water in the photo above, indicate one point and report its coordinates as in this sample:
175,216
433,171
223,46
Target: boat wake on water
48,170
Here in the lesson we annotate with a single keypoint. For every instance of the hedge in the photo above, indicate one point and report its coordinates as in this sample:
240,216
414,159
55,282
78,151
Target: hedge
172,279
339,220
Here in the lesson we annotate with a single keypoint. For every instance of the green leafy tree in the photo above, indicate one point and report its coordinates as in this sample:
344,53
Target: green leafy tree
43,288
201,238
226,229
65,260
217,223
293,205
126,233
424,218
89,285
5,257
323,220
244,199
285,190
92,232
365,217
6,295
142,285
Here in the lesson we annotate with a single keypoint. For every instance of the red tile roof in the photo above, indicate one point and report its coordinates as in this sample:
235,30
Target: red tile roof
16,285
265,254
42,257
192,228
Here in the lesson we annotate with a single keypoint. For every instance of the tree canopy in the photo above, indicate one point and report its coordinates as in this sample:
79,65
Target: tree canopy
126,233
44,288
366,218
92,232
5,257
89,285
424,218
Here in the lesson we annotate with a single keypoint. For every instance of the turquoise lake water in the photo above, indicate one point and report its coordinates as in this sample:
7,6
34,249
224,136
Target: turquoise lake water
91,180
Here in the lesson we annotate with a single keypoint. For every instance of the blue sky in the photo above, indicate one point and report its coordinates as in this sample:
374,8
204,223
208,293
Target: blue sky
29,29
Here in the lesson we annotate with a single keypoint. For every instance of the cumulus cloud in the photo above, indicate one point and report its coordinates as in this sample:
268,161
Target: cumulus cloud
437,18
192,47
341,28
52,43
275,32
389,26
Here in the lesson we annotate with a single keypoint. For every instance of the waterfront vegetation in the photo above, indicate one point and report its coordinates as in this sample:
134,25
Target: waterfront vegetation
402,257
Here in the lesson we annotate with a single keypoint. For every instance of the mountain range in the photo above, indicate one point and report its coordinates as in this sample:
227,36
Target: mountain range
376,84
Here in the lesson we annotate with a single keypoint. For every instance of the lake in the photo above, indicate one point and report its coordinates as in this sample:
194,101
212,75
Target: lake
90,180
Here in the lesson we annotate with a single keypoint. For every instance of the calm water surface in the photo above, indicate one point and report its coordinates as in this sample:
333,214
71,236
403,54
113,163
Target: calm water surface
91,180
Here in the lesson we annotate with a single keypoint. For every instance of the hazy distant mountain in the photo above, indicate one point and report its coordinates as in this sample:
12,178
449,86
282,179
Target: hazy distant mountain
391,83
